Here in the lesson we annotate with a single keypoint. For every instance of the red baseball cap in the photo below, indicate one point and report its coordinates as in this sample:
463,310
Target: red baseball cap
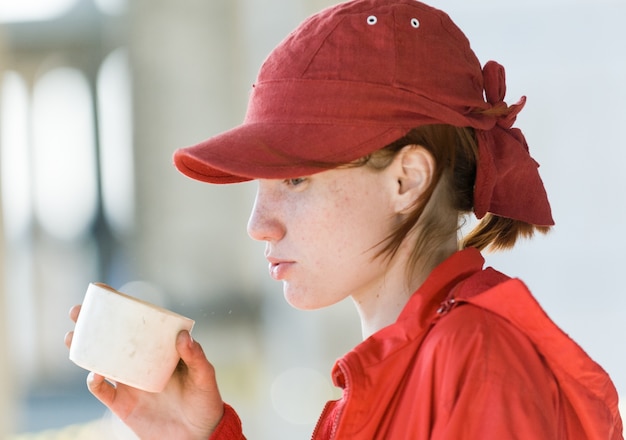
358,76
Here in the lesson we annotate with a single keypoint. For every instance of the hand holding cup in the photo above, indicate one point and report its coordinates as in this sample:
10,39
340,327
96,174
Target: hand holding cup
159,383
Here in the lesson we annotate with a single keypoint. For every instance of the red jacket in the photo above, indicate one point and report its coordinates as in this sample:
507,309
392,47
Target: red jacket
471,356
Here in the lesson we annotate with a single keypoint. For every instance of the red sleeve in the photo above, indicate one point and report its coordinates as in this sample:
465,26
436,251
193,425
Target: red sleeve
229,427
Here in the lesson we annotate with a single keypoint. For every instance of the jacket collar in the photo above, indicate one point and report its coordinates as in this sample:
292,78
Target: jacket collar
419,312
428,297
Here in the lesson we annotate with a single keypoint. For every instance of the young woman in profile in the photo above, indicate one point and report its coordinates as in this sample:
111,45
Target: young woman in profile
372,131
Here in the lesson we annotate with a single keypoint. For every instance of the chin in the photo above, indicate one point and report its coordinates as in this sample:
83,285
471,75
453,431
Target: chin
299,304
302,300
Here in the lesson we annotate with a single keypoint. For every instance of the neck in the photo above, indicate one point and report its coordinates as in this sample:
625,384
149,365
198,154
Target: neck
381,305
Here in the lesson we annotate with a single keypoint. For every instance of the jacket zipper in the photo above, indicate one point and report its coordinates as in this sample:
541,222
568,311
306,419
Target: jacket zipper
328,405
319,421
345,397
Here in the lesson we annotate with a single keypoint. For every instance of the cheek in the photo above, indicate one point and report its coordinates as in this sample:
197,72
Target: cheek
357,225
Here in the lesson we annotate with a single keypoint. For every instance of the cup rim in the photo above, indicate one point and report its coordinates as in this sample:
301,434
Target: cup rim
150,305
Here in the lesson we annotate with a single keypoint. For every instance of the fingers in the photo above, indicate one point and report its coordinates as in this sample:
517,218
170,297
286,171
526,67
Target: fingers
200,375
74,311
200,370
68,339
190,351
103,390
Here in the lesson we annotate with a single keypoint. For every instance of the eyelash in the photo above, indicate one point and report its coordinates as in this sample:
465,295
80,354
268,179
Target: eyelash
295,181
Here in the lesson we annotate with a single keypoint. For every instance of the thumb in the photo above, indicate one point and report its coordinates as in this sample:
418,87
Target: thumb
200,372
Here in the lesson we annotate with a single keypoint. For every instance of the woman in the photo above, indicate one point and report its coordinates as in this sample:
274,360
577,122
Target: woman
372,130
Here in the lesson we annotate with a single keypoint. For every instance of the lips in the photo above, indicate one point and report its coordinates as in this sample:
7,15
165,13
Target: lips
279,268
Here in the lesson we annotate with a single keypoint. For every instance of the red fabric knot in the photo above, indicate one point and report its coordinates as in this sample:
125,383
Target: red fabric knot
494,78
507,177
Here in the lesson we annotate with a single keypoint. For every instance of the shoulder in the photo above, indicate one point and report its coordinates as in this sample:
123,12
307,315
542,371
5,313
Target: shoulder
484,376
469,339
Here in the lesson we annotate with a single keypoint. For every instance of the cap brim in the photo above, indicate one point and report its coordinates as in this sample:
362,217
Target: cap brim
280,150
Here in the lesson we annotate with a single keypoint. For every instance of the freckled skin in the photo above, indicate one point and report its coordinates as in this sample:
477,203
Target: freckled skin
323,233
330,225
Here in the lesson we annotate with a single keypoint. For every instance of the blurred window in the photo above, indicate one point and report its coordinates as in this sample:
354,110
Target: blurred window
33,10
116,154
111,7
67,182
15,172
64,162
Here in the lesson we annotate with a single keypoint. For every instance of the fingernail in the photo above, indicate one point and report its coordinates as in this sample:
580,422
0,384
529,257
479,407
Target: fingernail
185,334
189,338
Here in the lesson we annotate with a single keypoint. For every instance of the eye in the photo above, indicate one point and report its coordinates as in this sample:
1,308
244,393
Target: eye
295,181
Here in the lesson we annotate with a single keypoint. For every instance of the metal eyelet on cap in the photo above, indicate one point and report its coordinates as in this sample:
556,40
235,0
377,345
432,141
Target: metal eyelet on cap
372,19
415,23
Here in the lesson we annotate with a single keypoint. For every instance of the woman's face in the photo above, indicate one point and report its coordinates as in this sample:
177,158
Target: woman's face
322,233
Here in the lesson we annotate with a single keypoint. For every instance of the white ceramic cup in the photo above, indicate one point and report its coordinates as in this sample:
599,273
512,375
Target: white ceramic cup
125,339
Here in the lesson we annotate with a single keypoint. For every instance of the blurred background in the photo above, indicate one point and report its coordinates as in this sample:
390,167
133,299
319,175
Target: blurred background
95,95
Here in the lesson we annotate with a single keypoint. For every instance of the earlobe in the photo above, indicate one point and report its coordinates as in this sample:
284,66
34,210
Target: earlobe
415,169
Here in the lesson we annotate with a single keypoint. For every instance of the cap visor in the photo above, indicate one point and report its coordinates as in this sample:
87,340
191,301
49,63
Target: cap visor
280,150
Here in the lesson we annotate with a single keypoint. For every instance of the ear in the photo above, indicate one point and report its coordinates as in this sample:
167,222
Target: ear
413,168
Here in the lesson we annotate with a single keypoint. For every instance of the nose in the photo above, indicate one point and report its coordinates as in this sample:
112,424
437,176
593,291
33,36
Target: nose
264,223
